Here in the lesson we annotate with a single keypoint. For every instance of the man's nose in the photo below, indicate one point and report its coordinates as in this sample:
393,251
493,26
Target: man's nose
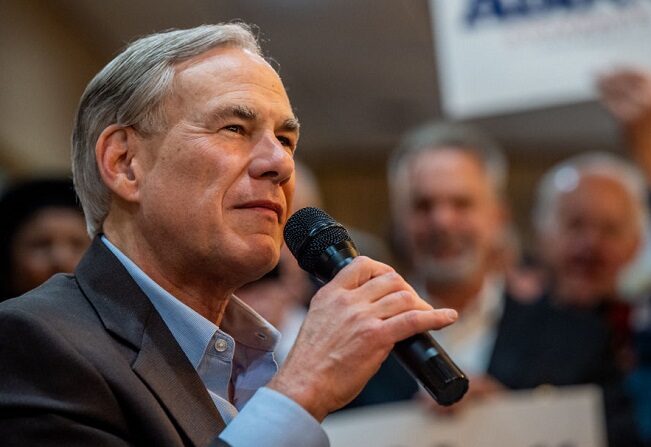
272,160
442,215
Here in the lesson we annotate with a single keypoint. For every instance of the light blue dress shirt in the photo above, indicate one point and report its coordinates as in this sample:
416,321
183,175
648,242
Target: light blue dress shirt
238,357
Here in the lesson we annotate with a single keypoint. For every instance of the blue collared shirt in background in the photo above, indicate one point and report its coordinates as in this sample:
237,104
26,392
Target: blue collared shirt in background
238,357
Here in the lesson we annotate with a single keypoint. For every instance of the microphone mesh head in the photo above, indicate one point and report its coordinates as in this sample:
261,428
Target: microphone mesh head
309,232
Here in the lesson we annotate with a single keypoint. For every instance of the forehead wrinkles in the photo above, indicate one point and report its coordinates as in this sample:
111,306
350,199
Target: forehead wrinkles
233,75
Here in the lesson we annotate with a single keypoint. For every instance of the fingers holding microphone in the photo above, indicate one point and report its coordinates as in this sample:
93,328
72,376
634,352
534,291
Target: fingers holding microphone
373,293
352,325
403,312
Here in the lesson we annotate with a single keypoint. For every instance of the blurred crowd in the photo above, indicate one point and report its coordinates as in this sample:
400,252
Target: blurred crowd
574,310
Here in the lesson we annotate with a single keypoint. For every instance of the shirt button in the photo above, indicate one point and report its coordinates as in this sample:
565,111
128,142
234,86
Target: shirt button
221,345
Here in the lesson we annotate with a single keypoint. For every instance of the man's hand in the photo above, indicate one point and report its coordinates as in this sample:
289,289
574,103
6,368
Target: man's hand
626,93
351,327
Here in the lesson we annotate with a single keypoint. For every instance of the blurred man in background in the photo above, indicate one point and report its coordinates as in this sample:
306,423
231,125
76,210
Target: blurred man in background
590,217
449,219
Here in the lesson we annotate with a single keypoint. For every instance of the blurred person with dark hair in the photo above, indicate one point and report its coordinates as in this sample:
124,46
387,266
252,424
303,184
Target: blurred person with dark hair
42,232
452,227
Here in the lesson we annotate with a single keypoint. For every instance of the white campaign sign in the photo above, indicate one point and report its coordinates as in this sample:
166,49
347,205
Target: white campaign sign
566,417
497,56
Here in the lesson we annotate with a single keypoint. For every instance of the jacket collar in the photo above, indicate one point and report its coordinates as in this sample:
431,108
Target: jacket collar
127,313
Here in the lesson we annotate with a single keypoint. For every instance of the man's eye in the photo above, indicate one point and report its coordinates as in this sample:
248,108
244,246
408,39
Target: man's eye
234,128
285,141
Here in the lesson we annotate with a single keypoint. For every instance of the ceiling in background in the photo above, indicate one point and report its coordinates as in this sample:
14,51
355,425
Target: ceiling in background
359,73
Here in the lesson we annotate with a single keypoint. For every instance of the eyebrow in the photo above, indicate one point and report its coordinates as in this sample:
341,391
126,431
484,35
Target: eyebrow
290,125
248,114
238,111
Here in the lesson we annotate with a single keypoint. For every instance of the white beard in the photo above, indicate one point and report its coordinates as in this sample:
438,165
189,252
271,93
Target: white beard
448,271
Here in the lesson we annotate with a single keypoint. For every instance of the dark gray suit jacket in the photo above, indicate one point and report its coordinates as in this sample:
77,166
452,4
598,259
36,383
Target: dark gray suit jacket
85,360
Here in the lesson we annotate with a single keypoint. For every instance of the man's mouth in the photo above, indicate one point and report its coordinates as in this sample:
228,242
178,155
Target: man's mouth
265,206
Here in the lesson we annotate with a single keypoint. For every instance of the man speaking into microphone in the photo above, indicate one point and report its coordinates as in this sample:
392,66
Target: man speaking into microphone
183,161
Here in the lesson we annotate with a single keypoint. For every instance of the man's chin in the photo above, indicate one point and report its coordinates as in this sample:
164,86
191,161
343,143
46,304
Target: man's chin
260,253
448,271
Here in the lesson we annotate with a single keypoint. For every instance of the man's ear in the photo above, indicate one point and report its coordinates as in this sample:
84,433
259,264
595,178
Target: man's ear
114,152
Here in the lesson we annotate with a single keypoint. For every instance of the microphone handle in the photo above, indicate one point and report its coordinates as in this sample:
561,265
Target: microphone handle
432,367
420,354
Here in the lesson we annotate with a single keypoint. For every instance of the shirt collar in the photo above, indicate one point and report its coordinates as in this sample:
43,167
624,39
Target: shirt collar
471,339
191,330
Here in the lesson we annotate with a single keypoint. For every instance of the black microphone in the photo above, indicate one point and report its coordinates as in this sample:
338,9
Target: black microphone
323,247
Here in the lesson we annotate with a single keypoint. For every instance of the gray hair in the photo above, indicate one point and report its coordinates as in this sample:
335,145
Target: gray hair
130,91
437,136
565,176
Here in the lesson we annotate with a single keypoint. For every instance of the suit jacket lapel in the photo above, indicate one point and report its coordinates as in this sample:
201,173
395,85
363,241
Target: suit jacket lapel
128,314
171,377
